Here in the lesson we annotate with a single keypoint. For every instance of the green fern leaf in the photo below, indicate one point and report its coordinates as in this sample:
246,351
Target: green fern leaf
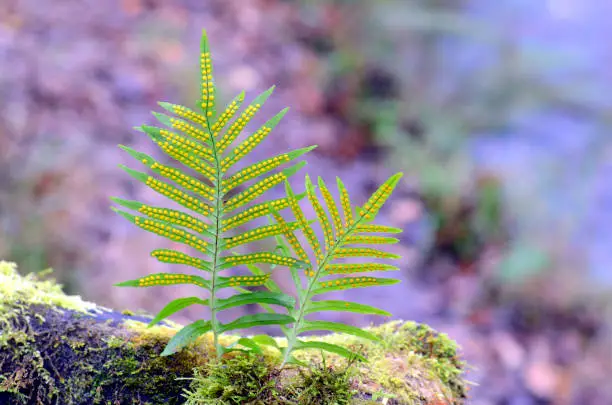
343,306
342,233
251,142
241,281
328,233
178,177
174,257
174,217
189,130
257,169
164,138
331,207
256,297
369,240
363,252
229,113
261,187
350,282
186,335
263,257
168,231
248,321
203,141
175,306
308,326
171,192
184,112
345,201
254,212
158,279
352,268
371,228
376,201
236,128
258,234
301,219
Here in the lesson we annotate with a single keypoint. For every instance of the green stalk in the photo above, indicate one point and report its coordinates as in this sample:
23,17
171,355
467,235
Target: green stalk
218,214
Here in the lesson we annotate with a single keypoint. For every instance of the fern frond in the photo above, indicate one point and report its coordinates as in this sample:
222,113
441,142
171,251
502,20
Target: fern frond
203,141
341,234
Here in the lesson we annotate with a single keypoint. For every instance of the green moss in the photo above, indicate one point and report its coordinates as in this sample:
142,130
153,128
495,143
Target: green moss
49,355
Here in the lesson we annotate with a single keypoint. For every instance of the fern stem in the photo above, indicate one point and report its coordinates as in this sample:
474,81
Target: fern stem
292,336
218,214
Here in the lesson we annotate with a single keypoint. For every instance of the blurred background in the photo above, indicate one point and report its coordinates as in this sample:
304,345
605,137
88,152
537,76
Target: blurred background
498,112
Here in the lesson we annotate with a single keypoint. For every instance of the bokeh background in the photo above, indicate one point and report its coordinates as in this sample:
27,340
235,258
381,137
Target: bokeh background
499,112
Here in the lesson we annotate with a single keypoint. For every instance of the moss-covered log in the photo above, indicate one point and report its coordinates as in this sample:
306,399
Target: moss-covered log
58,349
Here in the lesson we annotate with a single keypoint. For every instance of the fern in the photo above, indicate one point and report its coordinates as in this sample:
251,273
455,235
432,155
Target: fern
340,235
212,206
216,198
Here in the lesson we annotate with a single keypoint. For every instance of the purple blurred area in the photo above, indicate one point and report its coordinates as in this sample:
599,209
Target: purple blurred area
498,112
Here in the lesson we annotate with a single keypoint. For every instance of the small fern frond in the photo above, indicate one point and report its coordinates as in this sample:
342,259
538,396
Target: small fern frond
203,142
337,235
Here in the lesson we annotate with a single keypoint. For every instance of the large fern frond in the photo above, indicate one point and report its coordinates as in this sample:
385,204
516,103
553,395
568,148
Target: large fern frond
203,142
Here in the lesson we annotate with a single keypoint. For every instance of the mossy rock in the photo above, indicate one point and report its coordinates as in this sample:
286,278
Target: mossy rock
59,349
